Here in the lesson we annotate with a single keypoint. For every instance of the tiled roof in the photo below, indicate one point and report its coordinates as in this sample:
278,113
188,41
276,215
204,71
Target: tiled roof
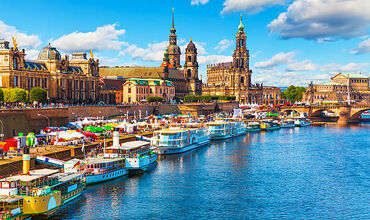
132,72
35,66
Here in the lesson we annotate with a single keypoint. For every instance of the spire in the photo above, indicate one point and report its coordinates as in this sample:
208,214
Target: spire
191,39
241,26
173,30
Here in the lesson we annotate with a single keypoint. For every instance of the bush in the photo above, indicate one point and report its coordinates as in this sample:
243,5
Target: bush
20,95
1,95
38,94
154,99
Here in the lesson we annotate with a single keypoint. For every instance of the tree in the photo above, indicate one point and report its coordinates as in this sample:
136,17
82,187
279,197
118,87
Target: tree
154,99
8,94
1,95
293,94
20,95
38,94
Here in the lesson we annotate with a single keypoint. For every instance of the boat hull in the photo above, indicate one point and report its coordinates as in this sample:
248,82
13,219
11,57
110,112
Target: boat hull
98,178
143,166
253,130
178,150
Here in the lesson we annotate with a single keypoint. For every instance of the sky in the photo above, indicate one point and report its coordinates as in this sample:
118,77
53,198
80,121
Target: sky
290,41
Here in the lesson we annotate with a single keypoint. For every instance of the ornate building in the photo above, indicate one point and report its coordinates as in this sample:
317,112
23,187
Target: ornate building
234,78
185,79
336,91
65,80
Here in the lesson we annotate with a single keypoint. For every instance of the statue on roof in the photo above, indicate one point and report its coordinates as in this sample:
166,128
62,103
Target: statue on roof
15,43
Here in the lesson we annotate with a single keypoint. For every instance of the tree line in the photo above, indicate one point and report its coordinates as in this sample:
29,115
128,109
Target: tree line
16,95
293,94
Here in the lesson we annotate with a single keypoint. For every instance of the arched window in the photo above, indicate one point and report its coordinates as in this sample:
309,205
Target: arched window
241,63
129,90
15,63
242,79
189,72
241,42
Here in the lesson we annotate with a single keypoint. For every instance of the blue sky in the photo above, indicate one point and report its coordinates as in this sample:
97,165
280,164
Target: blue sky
290,41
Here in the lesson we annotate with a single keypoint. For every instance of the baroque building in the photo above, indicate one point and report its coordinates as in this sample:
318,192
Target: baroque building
234,78
185,80
352,86
64,80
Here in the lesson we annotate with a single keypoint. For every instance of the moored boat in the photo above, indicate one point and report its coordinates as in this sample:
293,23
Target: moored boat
178,140
289,123
253,127
302,122
220,129
269,125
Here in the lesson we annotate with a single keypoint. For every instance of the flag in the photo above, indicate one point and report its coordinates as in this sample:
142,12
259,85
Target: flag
77,164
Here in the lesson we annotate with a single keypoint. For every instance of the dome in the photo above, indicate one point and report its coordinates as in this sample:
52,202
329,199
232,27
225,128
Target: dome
49,53
173,49
191,45
241,26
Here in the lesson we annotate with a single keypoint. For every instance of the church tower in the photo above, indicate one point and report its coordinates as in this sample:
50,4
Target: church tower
241,57
191,63
174,50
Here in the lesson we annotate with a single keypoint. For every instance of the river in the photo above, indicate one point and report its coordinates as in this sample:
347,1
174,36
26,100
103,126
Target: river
298,173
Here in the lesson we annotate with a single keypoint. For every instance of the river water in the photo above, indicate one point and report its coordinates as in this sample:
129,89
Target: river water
298,173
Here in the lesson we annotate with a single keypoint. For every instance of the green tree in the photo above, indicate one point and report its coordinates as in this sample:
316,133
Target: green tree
8,94
20,95
154,99
1,95
293,94
38,94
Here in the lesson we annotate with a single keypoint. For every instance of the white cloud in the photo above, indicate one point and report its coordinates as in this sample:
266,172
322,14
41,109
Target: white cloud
197,2
304,65
213,59
323,20
223,45
278,59
252,6
23,39
350,67
363,47
31,54
103,38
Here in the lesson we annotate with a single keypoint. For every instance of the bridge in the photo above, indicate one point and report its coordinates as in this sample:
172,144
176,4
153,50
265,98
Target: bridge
347,114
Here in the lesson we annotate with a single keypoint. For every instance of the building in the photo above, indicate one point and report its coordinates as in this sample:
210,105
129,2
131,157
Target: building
336,91
65,80
271,95
185,79
111,90
138,89
234,78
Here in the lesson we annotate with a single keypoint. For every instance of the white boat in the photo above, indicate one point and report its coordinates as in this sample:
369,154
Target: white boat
302,122
223,129
289,123
139,155
101,169
253,127
178,140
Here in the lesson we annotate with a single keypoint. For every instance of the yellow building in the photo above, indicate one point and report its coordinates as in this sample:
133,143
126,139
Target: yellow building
234,78
336,91
138,89
65,80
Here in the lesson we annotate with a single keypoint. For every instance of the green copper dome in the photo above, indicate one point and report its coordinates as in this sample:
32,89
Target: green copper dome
241,26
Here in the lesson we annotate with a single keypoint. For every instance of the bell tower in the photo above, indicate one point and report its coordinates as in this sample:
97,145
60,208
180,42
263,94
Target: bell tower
174,50
191,62
241,57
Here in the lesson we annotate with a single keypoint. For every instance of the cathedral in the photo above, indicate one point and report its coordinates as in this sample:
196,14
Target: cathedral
234,78
185,79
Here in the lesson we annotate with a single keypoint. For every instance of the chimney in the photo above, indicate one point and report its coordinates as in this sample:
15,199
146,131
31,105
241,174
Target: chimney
26,161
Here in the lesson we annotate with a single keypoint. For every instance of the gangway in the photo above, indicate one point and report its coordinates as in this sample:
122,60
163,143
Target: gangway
50,161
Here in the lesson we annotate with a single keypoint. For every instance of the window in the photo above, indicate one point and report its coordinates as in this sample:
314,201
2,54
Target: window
242,79
15,80
189,58
241,42
15,63
129,90
151,91
189,72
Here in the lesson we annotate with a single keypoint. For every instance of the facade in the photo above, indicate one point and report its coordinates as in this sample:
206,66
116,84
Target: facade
64,80
138,89
336,91
271,95
185,79
111,90
234,78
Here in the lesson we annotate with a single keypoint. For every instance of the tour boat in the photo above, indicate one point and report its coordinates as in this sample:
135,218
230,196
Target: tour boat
223,129
139,155
176,140
289,123
253,127
302,122
269,125
101,169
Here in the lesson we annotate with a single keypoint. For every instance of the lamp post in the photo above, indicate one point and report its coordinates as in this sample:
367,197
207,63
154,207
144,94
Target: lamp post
2,130
46,118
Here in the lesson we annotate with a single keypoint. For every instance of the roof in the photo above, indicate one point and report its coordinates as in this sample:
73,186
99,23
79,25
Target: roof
132,72
330,84
35,66
151,82
176,74
74,69
92,160
10,199
112,84
134,144
43,172
356,76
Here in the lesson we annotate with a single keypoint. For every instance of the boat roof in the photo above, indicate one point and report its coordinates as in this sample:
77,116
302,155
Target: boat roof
10,199
43,172
134,144
91,160
34,174
65,177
